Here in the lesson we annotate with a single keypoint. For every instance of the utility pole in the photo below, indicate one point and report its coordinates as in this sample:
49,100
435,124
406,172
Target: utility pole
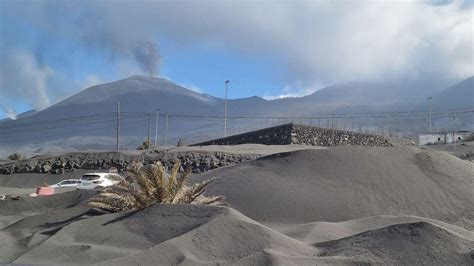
149,127
332,128
429,99
118,126
166,131
226,85
454,130
156,127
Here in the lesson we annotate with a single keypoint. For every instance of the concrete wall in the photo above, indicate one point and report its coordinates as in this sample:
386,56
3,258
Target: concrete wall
300,134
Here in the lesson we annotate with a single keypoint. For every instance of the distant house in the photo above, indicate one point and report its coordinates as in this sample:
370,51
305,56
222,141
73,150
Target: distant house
443,137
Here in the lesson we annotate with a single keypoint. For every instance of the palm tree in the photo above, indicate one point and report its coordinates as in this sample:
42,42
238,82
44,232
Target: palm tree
150,187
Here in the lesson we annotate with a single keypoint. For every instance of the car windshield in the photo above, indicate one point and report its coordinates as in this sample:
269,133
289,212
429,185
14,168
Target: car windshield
90,177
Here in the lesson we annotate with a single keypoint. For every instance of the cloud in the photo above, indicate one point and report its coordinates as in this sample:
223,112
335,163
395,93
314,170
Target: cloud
92,80
326,41
293,92
193,88
21,77
317,42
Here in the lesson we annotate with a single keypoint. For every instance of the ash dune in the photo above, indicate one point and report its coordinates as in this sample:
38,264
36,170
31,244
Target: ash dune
418,243
326,231
335,206
349,182
164,234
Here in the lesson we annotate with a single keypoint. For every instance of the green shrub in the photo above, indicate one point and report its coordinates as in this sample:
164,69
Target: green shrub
146,145
182,143
15,157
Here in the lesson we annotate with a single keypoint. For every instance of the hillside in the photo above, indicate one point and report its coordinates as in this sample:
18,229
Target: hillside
138,95
460,95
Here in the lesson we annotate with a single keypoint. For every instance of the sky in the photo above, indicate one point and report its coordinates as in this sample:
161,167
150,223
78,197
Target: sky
50,50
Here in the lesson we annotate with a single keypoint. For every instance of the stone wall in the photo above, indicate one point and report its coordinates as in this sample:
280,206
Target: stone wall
316,136
197,161
300,134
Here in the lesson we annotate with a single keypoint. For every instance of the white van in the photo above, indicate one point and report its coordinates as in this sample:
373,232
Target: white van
94,180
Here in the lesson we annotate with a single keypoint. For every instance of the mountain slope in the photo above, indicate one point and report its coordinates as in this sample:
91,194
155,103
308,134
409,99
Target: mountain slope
143,95
460,95
136,94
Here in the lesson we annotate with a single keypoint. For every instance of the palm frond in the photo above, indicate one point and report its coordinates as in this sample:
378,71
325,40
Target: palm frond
208,200
172,179
199,188
151,187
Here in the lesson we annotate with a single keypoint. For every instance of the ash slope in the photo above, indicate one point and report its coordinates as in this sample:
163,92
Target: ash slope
302,207
350,182
180,234
417,243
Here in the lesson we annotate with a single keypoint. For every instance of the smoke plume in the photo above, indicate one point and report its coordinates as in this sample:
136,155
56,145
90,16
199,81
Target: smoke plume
10,112
22,78
148,57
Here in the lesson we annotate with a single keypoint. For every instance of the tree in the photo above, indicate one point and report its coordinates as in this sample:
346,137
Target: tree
150,186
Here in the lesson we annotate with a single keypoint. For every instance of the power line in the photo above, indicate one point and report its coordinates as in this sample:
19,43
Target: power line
245,116
54,121
184,132
82,123
63,134
62,120
340,115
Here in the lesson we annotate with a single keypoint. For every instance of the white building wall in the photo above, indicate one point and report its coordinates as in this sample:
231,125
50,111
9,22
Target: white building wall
429,139
442,138
458,136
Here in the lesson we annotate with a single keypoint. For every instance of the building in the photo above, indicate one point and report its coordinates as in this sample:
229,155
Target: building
444,137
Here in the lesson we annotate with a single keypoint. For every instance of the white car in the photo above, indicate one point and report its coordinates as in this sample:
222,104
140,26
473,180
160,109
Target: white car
67,183
93,180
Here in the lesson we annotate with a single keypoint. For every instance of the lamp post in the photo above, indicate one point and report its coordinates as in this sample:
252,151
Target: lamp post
226,84
429,99
454,131
156,127
118,126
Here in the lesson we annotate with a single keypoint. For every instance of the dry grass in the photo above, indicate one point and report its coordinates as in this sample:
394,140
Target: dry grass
151,186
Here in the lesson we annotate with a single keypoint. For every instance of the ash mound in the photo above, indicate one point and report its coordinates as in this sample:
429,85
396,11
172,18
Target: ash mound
350,182
343,205
411,243
167,234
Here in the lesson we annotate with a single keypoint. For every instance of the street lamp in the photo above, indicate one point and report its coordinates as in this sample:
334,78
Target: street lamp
429,99
226,84
454,131
156,127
